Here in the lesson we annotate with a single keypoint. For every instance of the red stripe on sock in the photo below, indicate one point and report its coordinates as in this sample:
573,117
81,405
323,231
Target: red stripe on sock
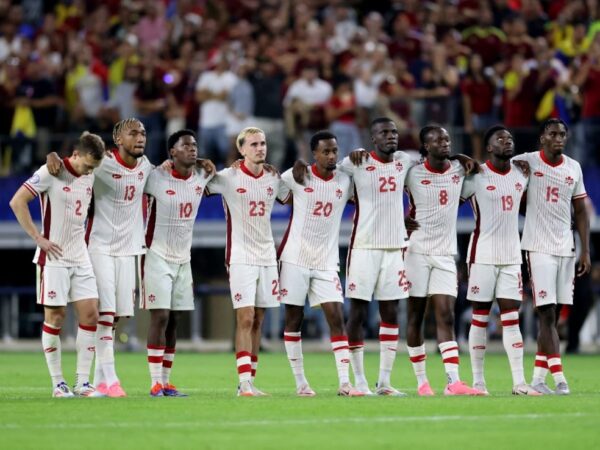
239,355
167,363
254,358
88,327
556,368
481,312
339,338
105,324
451,360
387,325
508,323
50,330
106,313
556,355
418,358
169,349
449,349
244,368
542,364
477,323
292,338
388,337
155,347
155,359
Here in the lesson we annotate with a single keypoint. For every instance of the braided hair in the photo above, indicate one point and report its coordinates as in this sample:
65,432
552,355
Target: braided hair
122,125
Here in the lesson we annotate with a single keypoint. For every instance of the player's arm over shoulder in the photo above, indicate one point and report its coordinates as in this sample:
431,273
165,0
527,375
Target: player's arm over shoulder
219,181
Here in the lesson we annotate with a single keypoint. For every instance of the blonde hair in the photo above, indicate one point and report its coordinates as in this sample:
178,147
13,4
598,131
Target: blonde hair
241,138
121,125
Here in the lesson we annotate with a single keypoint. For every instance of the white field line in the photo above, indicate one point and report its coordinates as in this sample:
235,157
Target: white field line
271,422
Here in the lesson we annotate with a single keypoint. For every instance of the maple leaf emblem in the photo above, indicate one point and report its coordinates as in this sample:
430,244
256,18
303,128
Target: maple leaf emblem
543,294
88,191
270,191
475,290
237,297
399,166
519,187
198,189
569,181
338,193
140,176
283,292
52,294
352,287
152,298
455,179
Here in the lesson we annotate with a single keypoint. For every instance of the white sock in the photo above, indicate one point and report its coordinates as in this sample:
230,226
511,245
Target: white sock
555,366
478,342
357,351
293,348
417,358
339,345
167,364
105,348
540,369
86,350
513,344
388,346
244,366
449,350
254,364
52,352
155,363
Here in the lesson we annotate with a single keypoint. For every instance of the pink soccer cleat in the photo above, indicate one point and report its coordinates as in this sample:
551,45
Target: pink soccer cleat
461,388
346,390
425,390
115,390
102,388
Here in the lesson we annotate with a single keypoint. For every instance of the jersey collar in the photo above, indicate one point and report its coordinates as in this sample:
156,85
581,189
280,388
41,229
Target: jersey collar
180,176
70,168
377,158
122,162
431,169
316,173
562,158
495,169
247,171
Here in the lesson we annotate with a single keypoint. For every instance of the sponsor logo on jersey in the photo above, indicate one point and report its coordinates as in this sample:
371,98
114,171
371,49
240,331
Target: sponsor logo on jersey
425,182
308,189
370,168
67,189
518,345
478,347
455,179
241,190
116,176
141,175
491,188
91,349
270,191
519,187
52,294
569,181
399,166
538,174
170,192
49,349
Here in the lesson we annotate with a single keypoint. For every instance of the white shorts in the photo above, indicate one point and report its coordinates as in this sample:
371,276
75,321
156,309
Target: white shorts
166,285
117,278
58,286
489,281
321,286
376,273
430,275
552,278
254,286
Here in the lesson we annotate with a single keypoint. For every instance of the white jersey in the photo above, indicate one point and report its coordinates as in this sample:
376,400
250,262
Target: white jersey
434,197
64,200
312,237
549,196
248,201
378,189
495,198
174,205
116,224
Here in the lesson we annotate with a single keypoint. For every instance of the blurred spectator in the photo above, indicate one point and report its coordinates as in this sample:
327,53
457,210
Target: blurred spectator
241,106
341,114
121,103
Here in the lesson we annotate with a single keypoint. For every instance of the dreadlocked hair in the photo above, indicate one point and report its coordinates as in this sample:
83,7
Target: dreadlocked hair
121,125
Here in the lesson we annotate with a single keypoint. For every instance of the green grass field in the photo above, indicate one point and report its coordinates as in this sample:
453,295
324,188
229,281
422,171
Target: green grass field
214,418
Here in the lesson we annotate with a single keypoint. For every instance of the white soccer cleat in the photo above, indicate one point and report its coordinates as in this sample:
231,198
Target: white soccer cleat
87,390
388,391
542,388
258,392
346,390
480,386
305,391
364,389
245,390
562,389
62,391
525,389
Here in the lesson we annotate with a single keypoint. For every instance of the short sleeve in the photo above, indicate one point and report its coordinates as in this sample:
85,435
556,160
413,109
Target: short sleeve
346,166
150,186
468,188
579,191
284,191
218,182
287,178
39,182
408,157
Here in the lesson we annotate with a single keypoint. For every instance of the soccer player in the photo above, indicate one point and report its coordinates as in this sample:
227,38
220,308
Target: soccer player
175,196
248,196
555,186
494,256
434,193
65,274
309,259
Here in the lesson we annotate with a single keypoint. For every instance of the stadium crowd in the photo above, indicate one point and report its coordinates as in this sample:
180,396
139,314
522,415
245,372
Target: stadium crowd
292,67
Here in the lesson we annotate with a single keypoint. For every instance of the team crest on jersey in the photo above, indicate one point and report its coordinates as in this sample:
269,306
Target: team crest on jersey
538,174
542,294
518,187
270,191
141,175
52,294
283,292
425,182
352,287
399,166
308,189
338,193
170,192
475,290
241,190
370,168
152,298
569,181
455,179
237,297
67,189
491,188
88,191
198,189
35,179
116,176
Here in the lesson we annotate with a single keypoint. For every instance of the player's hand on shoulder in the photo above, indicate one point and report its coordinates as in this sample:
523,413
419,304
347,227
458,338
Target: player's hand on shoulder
358,156
470,165
166,165
54,163
207,165
300,171
410,224
236,164
522,165
53,250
